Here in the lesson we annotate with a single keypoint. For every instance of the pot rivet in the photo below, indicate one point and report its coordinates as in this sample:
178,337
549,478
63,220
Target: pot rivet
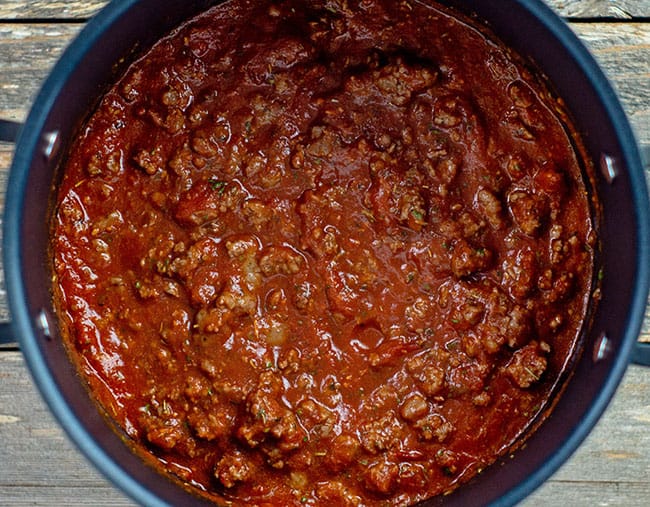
51,143
43,323
602,348
609,167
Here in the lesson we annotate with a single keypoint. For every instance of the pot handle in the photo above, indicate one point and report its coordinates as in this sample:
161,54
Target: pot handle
9,130
7,340
641,352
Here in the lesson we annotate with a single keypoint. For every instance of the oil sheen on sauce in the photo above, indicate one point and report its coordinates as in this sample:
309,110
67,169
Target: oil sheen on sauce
323,253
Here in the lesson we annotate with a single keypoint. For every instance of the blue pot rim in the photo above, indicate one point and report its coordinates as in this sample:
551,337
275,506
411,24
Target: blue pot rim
30,141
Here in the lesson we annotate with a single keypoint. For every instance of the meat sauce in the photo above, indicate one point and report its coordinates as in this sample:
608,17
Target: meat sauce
325,252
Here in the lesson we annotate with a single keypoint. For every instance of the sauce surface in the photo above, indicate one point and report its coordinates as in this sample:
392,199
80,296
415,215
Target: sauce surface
327,252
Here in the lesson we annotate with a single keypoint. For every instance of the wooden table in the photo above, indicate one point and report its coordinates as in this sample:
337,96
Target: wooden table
39,466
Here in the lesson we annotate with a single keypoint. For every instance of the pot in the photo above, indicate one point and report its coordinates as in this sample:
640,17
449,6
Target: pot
105,47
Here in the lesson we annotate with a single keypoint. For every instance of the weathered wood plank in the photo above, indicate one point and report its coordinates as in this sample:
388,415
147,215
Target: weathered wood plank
41,467
623,52
624,9
612,465
75,10
44,9
73,496
589,494
27,53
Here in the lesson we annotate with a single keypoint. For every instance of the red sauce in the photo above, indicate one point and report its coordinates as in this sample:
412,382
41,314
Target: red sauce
324,252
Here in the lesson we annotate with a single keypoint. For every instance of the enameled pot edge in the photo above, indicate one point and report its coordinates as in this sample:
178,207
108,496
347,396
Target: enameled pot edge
32,143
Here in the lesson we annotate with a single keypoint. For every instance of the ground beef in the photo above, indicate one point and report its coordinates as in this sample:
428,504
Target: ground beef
311,253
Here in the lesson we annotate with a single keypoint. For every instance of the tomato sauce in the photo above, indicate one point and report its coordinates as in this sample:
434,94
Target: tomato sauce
328,252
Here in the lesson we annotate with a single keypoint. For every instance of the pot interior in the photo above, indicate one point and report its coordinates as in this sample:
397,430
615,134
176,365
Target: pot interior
112,39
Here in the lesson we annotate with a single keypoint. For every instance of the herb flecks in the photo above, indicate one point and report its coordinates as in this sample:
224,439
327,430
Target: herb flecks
217,185
418,215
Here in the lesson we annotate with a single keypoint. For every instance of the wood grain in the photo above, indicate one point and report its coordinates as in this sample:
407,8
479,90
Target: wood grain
28,51
612,465
27,54
623,52
622,9
41,467
38,464
73,10
44,9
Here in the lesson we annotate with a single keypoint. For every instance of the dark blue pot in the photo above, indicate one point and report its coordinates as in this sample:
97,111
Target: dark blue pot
126,27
